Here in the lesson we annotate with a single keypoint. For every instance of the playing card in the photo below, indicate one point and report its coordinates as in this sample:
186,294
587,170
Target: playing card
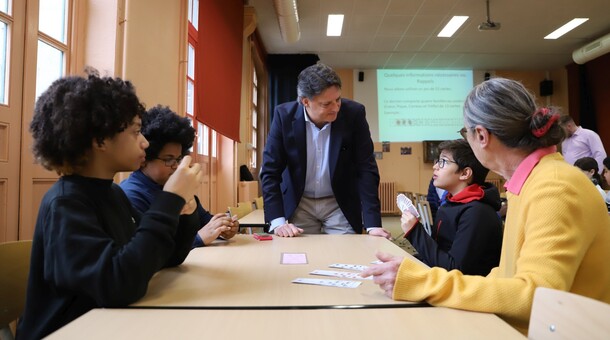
404,204
357,267
345,275
329,283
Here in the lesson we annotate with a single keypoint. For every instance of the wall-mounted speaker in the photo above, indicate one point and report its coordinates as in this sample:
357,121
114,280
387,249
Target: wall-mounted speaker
546,88
360,76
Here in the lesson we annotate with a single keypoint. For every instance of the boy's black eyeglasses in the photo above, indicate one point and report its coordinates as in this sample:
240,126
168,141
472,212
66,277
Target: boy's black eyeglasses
463,132
442,162
171,162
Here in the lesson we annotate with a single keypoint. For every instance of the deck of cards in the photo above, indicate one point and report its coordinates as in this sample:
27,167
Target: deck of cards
405,204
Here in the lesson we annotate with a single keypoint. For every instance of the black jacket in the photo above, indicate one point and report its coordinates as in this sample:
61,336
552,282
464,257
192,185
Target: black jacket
466,234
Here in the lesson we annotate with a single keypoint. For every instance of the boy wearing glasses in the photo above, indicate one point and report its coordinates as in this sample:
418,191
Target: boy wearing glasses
170,137
90,248
467,232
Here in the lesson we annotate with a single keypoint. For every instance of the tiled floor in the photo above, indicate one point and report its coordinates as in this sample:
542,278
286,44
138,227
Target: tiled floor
392,224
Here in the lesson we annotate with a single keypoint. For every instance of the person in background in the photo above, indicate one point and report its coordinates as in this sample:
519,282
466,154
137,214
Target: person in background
171,137
588,166
557,231
90,248
581,143
606,177
319,169
435,197
467,233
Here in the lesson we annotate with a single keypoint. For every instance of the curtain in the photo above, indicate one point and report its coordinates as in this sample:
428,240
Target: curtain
283,72
218,65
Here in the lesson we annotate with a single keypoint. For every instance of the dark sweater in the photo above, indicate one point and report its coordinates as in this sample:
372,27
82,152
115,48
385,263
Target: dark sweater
91,249
466,234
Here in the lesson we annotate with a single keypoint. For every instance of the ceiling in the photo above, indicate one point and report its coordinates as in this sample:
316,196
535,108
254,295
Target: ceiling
402,33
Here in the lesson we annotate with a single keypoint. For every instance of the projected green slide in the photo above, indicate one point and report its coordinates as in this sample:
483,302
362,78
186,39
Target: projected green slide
416,105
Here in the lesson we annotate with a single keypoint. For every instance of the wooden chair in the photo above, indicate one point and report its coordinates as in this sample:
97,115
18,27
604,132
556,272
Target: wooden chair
242,209
259,202
563,315
423,207
14,271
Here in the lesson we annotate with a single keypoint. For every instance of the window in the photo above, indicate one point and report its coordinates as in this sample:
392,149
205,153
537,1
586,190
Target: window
5,22
52,42
254,121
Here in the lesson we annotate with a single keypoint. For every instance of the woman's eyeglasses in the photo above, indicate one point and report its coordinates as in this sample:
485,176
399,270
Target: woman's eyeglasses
442,162
171,162
463,132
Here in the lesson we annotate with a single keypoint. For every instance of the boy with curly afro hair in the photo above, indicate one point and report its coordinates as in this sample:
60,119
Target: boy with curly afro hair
171,137
91,249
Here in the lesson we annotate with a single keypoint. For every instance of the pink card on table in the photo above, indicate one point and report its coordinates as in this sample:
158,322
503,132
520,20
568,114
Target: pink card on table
294,258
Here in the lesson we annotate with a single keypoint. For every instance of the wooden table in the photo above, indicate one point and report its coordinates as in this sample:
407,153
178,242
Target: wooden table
246,273
255,219
401,323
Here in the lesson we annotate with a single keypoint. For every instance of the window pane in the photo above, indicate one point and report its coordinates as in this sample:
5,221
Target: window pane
195,18
3,54
253,163
254,78
190,70
206,141
254,118
190,97
254,138
214,140
49,66
190,14
255,96
4,6
193,126
200,138
52,19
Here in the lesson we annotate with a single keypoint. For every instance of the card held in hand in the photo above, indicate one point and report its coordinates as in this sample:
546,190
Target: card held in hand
405,204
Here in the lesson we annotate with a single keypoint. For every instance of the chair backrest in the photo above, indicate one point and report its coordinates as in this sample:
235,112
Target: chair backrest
558,314
14,271
259,202
423,207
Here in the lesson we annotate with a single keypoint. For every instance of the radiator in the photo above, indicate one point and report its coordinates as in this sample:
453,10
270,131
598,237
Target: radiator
387,197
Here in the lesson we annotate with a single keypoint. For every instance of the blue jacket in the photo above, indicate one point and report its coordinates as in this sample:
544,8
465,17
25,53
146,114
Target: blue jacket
466,234
353,170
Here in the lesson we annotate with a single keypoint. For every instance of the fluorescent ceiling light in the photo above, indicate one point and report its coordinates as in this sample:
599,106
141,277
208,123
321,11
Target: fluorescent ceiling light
453,25
572,24
334,26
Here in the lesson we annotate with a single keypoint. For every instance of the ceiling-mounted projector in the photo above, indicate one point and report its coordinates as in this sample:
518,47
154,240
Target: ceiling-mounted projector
489,25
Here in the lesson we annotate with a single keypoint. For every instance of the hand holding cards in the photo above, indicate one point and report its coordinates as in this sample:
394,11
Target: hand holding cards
405,204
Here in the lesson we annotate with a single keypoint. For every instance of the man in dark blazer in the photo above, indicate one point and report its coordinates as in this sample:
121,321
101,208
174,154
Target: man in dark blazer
319,168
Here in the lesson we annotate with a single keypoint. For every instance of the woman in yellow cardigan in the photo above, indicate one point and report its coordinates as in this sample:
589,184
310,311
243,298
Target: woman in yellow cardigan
557,231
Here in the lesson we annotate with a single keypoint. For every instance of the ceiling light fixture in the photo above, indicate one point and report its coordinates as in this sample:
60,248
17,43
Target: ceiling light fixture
288,18
572,24
453,25
334,25
489,25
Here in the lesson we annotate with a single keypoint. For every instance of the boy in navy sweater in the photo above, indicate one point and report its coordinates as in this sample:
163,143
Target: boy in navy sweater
171,137
467,233
91,248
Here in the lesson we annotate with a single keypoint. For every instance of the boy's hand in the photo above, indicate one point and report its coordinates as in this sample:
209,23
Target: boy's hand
185,181
219,223
407,222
